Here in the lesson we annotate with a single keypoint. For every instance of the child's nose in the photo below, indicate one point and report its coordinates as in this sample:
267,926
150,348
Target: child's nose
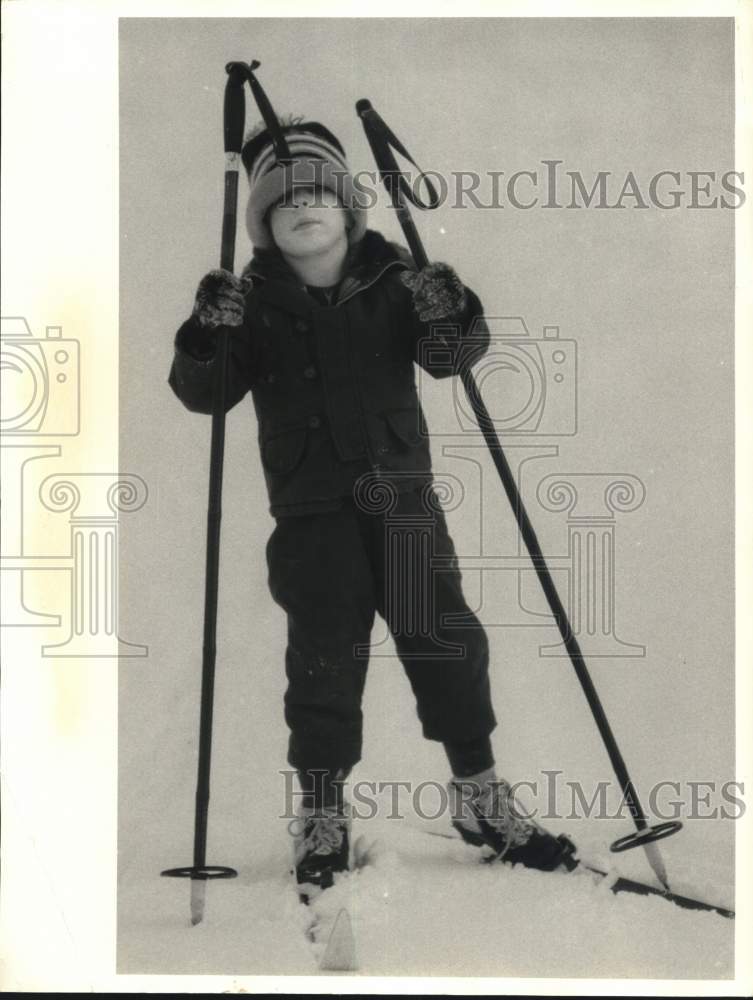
304,197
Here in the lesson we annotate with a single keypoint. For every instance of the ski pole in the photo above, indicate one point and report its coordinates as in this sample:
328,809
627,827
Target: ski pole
382,140
234,115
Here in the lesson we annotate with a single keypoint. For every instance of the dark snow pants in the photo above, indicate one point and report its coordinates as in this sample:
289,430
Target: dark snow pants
330,572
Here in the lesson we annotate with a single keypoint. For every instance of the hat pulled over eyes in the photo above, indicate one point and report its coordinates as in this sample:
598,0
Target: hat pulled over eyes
317,159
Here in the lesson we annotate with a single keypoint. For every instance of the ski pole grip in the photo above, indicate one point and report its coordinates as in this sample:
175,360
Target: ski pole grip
235,106
363,106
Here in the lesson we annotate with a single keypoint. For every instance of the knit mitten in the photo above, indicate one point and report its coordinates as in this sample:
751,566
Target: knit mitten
438,293
220,299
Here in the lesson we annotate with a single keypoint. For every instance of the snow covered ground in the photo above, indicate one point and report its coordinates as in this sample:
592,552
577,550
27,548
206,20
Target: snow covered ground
425,906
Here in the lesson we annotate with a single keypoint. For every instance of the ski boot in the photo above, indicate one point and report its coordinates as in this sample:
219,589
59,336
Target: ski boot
484,814
321,848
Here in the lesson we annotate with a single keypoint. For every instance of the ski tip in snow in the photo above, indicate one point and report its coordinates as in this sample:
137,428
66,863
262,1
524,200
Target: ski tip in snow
340,953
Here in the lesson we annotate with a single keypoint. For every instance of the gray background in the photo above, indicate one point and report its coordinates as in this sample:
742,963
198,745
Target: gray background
647,295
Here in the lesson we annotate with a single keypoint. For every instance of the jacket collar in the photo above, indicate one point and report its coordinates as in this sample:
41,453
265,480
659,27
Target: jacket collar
276,282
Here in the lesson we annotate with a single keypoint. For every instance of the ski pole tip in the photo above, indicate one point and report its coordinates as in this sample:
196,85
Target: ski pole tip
198,899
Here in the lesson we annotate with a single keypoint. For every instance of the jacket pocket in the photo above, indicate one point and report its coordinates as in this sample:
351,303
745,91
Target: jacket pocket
407,425
282,451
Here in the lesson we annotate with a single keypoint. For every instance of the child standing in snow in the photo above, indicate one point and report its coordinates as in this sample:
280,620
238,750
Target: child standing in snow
326,323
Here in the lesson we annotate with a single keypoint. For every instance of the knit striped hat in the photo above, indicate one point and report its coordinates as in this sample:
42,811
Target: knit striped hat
316,158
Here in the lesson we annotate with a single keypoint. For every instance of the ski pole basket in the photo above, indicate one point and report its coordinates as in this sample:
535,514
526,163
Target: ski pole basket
200,872
638,838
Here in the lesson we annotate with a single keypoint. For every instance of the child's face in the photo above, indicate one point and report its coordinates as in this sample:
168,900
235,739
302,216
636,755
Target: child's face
307,221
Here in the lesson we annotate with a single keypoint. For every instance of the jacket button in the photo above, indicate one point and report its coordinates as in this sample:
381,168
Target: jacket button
309,372
315,421
301,326
271,378
383,449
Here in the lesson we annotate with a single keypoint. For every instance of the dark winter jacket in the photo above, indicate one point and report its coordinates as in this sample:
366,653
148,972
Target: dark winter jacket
333,385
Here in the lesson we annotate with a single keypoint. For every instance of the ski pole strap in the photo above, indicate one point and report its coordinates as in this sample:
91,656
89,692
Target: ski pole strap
383,140
282,151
